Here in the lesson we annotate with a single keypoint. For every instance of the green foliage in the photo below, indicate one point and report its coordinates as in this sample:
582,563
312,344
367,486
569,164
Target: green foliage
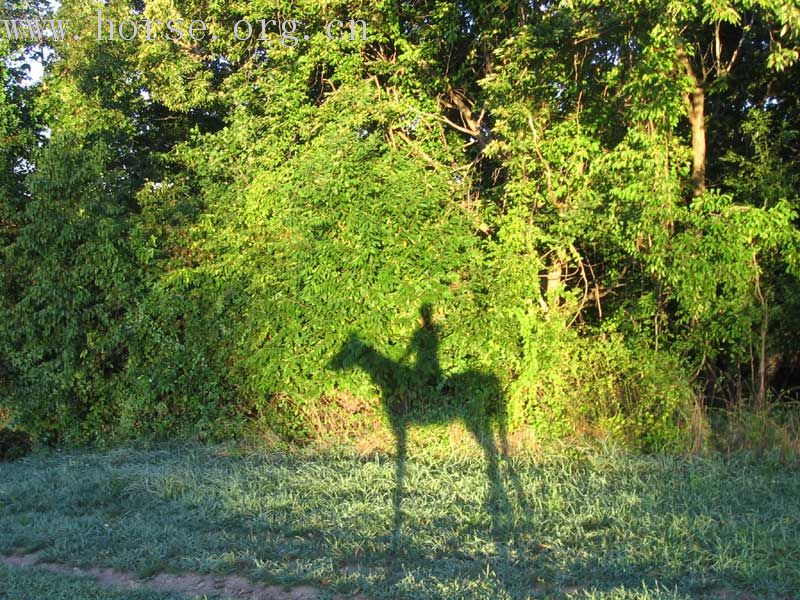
63,333
206,223
355,237
599,384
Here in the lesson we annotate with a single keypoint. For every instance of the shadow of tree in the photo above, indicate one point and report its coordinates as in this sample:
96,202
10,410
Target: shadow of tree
422,395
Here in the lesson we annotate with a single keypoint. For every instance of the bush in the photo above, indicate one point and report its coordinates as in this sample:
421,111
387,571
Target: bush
600,385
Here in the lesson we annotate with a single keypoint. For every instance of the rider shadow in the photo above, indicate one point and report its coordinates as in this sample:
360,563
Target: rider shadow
422,395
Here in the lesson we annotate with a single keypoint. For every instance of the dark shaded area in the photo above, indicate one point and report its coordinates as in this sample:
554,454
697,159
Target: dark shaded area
14,444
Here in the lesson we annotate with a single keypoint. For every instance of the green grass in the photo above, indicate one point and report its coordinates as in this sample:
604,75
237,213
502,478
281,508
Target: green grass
608,525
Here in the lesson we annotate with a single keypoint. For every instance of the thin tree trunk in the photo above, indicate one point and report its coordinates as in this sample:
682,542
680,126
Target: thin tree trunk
554,276
761,394
761,398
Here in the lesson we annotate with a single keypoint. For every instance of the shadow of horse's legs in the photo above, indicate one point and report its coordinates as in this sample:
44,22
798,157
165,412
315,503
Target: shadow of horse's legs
497,503
401,452
522,500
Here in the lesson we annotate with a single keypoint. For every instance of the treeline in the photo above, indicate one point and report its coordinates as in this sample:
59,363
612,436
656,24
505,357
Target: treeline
599,200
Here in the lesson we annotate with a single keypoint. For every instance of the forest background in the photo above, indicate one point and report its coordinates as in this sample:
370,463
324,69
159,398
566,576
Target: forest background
598,201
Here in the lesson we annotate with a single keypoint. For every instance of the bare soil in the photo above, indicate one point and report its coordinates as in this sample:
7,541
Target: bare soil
229,586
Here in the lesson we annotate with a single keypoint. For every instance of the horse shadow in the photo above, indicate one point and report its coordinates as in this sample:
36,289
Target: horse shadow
423,395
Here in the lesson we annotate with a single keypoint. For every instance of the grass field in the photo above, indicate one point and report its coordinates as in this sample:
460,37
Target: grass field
603,525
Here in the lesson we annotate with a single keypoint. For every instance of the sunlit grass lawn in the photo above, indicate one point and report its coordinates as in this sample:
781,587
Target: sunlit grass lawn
604,525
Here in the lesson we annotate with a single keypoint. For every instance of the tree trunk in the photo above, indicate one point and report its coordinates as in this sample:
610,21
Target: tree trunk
697,120
696,101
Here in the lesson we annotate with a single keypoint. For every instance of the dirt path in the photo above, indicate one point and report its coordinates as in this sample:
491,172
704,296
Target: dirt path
230,586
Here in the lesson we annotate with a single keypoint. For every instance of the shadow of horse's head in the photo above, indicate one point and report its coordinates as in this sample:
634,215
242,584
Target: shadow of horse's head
351,354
